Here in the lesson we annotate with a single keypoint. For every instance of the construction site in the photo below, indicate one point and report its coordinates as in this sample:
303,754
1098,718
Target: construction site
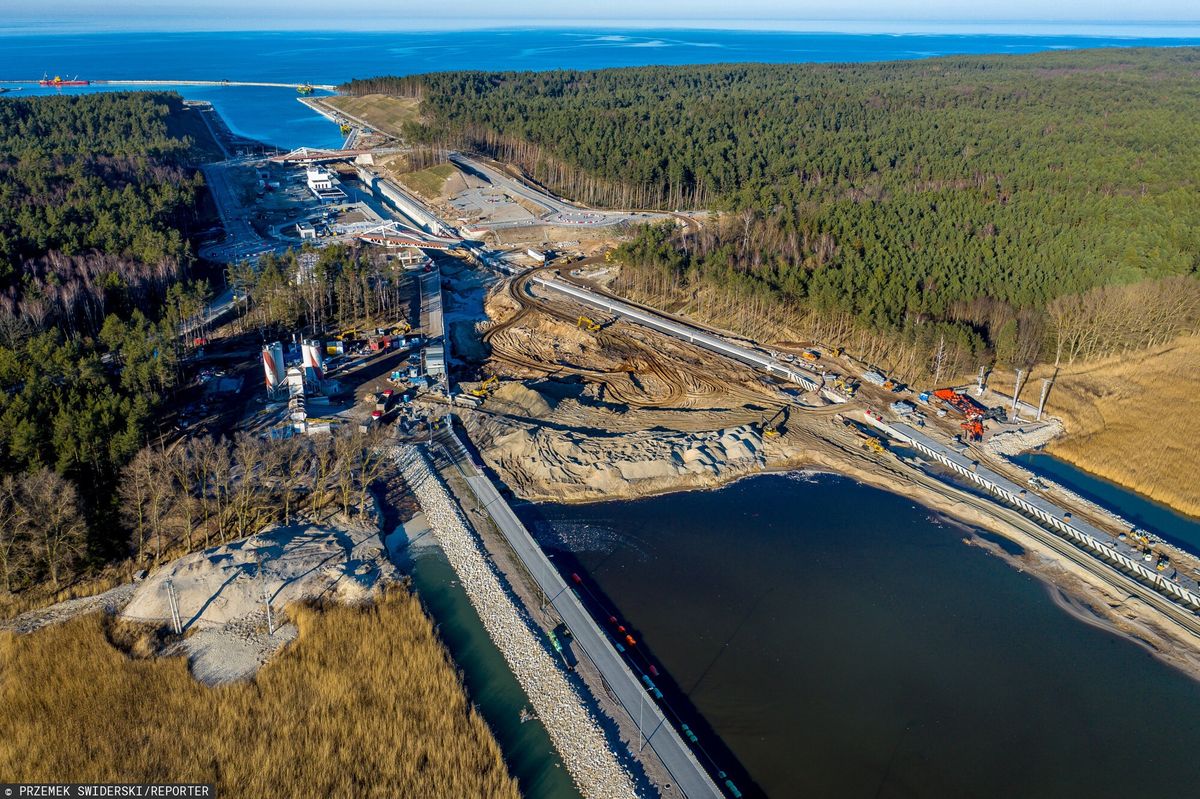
572,394
508,368
576,404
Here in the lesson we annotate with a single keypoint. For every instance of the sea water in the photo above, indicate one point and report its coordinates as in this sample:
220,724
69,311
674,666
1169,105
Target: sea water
274,116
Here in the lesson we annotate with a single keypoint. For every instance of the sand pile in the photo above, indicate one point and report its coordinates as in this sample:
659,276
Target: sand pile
543,464
520,400
220,591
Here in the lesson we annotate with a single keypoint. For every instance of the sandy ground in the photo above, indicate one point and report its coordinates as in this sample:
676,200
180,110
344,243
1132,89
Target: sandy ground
220,592
109,601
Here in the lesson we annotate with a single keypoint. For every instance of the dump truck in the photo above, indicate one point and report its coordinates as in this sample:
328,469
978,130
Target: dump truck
812,356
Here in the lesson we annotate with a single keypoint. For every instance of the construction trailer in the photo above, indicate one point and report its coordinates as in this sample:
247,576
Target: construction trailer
435,360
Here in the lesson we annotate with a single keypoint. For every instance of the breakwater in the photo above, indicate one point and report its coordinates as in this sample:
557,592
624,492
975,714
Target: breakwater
576,733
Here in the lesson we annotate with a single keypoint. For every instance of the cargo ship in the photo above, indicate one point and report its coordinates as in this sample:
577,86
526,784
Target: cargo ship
58,81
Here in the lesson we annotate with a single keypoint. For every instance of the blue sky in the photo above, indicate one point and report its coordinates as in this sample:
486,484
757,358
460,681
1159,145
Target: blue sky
845,15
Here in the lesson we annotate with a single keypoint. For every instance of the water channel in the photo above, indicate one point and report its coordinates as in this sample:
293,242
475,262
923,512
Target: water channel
843,641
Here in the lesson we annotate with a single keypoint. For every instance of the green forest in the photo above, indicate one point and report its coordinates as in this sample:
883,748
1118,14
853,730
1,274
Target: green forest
962,194
97,200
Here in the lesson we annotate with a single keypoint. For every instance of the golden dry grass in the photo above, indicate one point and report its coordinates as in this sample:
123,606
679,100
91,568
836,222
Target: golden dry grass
385,114
1130,419
365,703
43,595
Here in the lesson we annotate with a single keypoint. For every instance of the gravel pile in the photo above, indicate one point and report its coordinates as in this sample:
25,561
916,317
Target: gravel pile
572,727
1014,442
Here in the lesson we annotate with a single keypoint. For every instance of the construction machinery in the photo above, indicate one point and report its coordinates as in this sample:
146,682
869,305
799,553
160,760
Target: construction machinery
974,429
870,440
812,356
485,388
402,329
589,324
773,427
846,385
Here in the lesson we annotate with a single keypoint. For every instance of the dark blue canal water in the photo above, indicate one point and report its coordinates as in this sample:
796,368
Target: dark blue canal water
1181,530
842,641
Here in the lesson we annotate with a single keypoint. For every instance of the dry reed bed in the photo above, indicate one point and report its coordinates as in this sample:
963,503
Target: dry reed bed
367,703
572,727
1129,419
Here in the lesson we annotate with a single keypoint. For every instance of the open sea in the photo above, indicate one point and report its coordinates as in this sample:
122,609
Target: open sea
274,116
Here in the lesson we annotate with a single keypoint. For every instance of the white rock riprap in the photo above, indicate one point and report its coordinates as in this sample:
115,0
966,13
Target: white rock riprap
1014,442
572,727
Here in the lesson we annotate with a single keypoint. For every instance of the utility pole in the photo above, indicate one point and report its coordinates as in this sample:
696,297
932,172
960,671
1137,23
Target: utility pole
979,383
266,597
173,602
1017,392
1046,383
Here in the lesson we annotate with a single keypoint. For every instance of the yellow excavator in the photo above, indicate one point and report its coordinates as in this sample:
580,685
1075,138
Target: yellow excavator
773,427
401,329
589,324
846,385
485,388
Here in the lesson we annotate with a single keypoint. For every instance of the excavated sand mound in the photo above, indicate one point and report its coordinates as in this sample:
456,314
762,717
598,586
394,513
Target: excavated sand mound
298,562
220,592
545,465
517,398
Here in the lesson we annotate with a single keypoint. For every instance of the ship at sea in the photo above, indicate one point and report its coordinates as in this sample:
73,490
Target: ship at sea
59,81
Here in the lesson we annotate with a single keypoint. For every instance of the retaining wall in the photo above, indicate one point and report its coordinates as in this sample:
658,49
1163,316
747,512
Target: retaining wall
1084,535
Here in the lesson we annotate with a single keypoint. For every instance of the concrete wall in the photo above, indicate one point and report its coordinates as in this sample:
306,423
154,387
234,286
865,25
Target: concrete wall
1081,533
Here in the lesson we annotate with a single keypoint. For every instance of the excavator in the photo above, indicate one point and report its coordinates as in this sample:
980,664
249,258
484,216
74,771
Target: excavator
846,385
402,329
485,388
773,427
589,324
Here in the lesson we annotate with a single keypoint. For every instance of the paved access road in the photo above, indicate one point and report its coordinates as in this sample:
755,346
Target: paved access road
688,774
